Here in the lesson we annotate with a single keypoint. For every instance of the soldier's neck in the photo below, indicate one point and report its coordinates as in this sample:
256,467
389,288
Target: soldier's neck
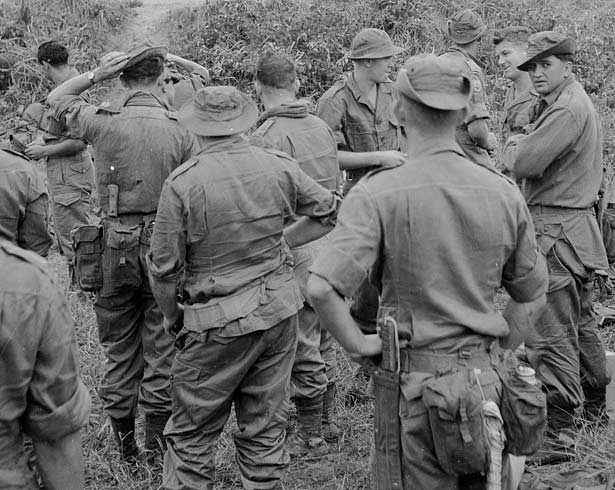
522,84
275,98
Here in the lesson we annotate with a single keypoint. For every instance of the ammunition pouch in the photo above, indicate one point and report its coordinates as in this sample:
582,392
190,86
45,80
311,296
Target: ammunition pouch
121,257
454,407
523,408
87,262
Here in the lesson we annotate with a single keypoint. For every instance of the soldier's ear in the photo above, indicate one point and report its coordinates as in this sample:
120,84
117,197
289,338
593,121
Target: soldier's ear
297,85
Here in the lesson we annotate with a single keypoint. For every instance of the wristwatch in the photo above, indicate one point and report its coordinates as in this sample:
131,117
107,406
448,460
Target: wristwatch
91,75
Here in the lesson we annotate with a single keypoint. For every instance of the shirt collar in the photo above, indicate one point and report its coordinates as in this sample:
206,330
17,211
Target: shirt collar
552,96
351,83
223,143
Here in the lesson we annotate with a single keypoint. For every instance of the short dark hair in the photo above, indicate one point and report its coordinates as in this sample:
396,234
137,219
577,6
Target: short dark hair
276,69
53,53
146,70
517,35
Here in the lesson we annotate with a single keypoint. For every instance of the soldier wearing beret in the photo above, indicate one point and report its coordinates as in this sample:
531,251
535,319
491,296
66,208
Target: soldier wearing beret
70,174
561,160
437,283
23,203
464,30
221,240
42,396
138,142
288,125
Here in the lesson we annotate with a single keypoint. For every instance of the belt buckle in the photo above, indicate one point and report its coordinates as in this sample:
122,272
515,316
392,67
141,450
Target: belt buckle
464,354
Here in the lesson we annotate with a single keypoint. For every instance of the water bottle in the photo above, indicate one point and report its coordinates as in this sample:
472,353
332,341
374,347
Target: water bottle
527,374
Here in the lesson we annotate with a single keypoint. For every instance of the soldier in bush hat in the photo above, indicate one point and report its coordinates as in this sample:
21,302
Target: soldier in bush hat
70,173
465,29
359,111
561,160
445,317
220,239
138,142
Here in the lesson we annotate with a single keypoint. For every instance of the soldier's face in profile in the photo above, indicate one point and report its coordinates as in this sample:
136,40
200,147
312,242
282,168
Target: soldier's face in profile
509,57
548,73
380,69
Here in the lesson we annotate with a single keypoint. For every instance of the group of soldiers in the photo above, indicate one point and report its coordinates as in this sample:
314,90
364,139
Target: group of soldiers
222,263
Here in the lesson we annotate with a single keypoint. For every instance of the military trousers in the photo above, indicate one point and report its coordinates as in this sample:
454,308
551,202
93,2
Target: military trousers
130,326
210,373
564,347
419,462
70,180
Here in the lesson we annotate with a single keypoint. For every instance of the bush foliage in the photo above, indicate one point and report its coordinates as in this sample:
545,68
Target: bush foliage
228,36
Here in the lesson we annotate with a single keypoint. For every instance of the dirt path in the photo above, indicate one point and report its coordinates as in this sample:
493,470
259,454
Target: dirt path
147,21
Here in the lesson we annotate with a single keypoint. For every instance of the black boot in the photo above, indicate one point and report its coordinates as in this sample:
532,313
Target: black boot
124,430
330,432
155,443
594,409
307,441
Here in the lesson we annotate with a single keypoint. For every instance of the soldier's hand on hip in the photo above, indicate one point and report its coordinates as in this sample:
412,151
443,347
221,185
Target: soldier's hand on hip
35,151
391,158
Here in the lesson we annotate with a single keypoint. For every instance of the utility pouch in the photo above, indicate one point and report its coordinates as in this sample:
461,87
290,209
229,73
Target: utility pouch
454,406
121,255
523,408
88,247
387,430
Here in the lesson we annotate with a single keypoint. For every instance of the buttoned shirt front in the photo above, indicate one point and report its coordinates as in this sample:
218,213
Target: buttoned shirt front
137,143
220,223
357,124
519,110
23,204
561,160
41,394
442,235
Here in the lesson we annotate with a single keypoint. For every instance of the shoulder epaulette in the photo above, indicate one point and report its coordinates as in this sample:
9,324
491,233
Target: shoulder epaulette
16,153
184,167
25,255
106,106
171,115
334,89
266,126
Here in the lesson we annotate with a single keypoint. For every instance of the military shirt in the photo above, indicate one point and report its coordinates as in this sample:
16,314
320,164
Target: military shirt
357,125
561,160
23,203
519,110
41,394
441,235
220,224
477,107
137,142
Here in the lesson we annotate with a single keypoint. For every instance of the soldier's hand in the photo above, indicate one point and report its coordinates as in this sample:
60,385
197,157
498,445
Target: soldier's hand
35,151
391,158
492,142
110,65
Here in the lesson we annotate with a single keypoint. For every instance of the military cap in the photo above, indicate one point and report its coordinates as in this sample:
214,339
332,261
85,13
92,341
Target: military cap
544,44
439,82
144,51
465,26
372,44
218,111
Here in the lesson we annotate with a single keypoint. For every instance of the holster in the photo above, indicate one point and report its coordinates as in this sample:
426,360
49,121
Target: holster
387,428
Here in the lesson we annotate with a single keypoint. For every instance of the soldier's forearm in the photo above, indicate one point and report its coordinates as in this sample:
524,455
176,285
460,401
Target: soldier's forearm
521,318
349,160
165,293
74,86
67,147
305,230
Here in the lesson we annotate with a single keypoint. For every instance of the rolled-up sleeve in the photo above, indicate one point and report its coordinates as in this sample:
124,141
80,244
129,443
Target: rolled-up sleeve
525,275
168,246
78,114
58,402
352,247
313,199
330,111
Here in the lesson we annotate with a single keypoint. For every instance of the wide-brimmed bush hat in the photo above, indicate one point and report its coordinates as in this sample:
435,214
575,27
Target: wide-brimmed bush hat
218,111
438,82
465,26
547,43
143,51
372,44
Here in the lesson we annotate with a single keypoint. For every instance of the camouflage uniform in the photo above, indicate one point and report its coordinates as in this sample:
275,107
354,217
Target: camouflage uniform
23,203
42,395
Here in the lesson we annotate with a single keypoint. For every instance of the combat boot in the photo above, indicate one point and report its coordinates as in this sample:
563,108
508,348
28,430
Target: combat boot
330,431
124,430
307,441
155,444
594,409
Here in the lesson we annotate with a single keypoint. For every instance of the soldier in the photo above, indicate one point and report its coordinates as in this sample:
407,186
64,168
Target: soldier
447,321
561,160
287,125
70,174
42,395
219,239
180,88
359,111
465,29
138,143
23,203
520,98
